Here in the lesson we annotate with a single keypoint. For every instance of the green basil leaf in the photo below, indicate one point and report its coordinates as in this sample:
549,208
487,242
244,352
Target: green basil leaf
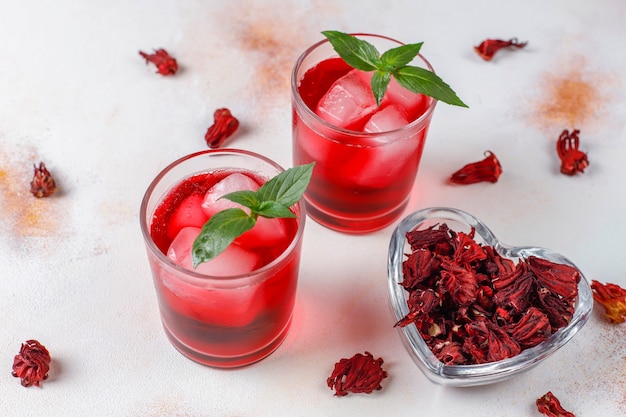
271,209
356,52
287,187
219,232
272,200
362,55
420,80
400,56
246,198
380,81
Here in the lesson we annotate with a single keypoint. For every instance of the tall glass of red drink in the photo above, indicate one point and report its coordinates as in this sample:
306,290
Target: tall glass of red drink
366,156
235,309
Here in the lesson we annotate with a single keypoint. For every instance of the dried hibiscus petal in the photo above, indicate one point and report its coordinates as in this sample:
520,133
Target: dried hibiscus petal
572,159
560,279
559,310
613,298
224,125
459,282
488,342
489,169
496,265
165,64
467,250
32,364
515,297
488,48
421,303
418,266
43,184
431,237
449,353
358,374
550,406
532,329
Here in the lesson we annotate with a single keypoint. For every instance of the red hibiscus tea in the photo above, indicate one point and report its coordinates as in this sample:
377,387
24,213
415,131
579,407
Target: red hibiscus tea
236,308
366,156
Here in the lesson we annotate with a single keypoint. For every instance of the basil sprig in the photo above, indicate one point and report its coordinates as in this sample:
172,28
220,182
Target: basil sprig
272,200
364,56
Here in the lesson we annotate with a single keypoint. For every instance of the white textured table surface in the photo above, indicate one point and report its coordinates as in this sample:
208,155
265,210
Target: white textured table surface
75,94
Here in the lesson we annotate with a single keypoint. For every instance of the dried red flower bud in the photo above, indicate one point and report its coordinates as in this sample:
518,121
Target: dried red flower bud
496,265
449,353
43,184
559,279
613,298
32,364
515,297
572,159
359,374
558,309
488,48
224,125
429,238
421,303
550,406
532,329
489,169
467,250
489,343
484,297
459,282
506,277
418,267
166,65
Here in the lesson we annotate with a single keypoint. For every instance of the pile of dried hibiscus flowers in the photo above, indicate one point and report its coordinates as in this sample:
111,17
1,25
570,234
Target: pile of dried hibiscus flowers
471,305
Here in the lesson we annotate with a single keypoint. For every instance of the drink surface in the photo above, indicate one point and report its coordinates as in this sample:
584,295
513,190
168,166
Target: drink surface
191,203
366,166
212,321
320,82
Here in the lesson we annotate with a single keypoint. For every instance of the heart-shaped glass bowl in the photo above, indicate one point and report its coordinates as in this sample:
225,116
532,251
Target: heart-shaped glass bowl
480,374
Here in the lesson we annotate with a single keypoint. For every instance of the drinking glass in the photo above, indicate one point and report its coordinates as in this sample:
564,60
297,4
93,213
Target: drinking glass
362,181
221,321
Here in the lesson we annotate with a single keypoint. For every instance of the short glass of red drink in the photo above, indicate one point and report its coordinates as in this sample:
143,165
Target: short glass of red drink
235,309
366,155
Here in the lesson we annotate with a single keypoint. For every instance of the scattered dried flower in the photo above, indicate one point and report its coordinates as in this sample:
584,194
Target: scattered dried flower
166,65
224,125
572,160
32,364
43,184
489,169
613,298
488,48
359,374
550,406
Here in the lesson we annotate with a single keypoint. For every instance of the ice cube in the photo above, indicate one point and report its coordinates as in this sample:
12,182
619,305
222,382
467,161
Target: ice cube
377,163
387,118
234,182
378,167
233,261
412,103
203,301
266,232
188,213
349,101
